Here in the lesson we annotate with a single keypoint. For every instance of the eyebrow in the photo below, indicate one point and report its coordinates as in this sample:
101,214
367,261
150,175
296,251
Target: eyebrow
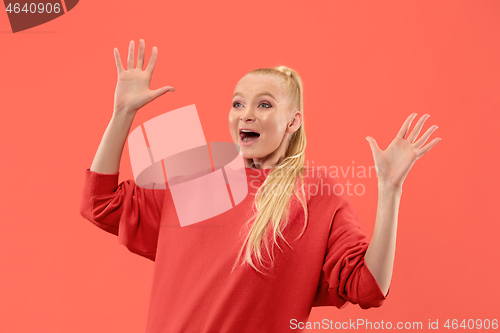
265,93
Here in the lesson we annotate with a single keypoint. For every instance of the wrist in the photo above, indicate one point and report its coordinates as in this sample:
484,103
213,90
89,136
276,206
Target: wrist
123,113
122,121
123,109
387,185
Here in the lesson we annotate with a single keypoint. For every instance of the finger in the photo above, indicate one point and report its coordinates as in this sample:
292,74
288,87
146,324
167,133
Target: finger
152,60
372,142
416,130
424,150
420,142
140,54
404,129
158,92
130,62
118,61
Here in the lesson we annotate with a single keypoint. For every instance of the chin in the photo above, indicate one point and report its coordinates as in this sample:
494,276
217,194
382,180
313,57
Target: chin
246,154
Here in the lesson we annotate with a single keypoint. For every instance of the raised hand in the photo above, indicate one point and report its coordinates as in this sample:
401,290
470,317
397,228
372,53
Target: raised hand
132,89
394,163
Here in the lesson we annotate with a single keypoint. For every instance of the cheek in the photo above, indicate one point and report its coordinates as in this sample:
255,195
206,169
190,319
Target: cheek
232,122
233,117
275,130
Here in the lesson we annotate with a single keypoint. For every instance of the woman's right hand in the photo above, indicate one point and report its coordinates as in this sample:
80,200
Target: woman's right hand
132,89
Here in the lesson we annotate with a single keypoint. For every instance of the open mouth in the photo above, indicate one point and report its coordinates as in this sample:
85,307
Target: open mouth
247,135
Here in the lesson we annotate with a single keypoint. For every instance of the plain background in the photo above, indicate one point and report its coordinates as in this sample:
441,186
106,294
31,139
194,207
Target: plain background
366,66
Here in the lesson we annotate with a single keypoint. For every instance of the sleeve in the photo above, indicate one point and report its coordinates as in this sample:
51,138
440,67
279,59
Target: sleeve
344,276
131,212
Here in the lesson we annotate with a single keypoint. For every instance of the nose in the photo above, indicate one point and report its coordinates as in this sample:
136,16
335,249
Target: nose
248,114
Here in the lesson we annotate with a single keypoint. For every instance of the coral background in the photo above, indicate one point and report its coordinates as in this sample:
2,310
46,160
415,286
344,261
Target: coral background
366,66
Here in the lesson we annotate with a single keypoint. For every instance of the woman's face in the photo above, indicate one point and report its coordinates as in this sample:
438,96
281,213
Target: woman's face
259,105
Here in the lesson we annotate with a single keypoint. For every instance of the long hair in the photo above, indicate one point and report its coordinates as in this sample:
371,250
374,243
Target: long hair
273,198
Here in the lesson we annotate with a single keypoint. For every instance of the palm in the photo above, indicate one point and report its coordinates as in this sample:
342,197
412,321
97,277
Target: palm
394,163
132,89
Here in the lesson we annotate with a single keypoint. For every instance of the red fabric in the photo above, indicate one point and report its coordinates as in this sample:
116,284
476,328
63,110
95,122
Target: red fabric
193,287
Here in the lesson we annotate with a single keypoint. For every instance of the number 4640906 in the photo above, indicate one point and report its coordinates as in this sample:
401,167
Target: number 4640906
34,8
472,324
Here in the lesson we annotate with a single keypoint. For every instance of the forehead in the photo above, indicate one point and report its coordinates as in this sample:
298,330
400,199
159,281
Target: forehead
252,84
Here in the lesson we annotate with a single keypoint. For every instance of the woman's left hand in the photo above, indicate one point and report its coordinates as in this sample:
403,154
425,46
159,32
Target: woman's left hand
394,163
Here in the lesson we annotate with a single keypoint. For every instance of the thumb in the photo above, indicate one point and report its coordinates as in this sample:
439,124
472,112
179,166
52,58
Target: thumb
373,143
160,91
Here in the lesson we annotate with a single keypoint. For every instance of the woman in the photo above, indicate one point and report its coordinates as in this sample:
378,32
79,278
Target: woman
214,276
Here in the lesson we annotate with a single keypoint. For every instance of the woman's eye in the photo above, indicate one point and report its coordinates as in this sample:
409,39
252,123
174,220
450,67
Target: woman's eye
235,104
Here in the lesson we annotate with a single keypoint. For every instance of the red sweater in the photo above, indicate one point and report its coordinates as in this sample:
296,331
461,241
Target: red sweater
193,290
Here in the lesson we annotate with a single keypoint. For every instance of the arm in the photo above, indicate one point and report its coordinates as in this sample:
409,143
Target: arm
108,155
380,254
126,210
132,92
129,211
345,277
392,166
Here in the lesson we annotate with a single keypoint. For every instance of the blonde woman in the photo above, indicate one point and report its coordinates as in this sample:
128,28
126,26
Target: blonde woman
293,244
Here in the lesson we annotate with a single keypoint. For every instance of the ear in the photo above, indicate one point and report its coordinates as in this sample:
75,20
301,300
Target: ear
295,122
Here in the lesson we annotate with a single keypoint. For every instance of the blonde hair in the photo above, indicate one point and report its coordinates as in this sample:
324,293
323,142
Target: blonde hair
271,206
